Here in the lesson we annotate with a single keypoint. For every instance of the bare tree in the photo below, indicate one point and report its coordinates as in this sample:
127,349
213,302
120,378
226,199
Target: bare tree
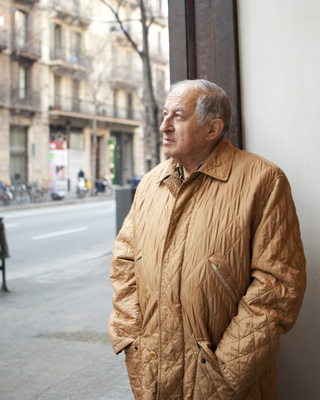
151,106
96,78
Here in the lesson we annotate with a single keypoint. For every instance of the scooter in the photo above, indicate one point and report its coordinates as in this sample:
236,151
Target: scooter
103,187
58,190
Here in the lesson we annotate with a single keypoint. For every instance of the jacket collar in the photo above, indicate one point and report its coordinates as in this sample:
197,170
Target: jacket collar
218,165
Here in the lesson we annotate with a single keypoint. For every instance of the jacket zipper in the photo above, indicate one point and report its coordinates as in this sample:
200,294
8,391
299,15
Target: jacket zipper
224,282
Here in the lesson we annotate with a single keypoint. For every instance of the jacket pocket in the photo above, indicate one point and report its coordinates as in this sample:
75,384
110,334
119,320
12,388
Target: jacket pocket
133,363
224,281
209,383
138,260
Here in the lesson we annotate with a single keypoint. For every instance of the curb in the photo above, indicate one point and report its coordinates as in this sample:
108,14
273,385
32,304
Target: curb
69,199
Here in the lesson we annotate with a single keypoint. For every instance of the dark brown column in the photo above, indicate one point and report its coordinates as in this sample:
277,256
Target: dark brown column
204,44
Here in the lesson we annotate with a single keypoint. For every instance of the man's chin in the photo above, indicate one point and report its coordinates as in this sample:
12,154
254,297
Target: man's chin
167,152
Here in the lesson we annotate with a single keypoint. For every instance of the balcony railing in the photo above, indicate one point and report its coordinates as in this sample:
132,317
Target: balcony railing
27,1
78,9
29,100
4,94
69,57
159,53
86,107
123,76
3,39
157,14
30,48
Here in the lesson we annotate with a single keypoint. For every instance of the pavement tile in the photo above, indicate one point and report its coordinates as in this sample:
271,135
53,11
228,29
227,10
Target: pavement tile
54,340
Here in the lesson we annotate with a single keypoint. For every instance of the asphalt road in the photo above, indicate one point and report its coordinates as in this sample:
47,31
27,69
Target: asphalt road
54,342
42,240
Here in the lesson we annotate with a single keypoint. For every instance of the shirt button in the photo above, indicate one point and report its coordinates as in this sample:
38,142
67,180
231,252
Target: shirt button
153,355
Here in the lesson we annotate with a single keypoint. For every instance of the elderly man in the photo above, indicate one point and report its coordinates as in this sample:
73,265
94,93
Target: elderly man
208,269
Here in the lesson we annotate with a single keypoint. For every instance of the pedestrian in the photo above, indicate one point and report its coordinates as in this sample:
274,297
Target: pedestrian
208,269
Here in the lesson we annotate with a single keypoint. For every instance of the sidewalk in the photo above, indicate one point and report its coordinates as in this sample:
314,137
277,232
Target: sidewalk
54,331
54,337
70,198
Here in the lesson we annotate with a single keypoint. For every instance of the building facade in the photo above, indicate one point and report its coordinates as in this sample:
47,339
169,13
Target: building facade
72,89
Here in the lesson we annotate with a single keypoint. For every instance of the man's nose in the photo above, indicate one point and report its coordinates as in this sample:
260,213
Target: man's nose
166,125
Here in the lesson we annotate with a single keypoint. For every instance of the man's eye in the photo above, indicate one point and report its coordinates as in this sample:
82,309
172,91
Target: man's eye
178,116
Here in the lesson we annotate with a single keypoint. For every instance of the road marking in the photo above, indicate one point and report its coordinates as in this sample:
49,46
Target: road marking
66,232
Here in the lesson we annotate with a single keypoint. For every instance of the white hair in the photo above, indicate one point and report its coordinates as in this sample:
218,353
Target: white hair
213,104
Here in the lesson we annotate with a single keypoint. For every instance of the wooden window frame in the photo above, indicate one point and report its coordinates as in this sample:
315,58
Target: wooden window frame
203,38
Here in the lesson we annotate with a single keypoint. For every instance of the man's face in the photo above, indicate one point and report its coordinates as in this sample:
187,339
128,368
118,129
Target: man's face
184,139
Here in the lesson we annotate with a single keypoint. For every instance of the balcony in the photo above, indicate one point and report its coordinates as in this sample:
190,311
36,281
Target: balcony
158,15
117,35
66,63
73,12
125,77
27,49
27,1
3,39
4,94
158,55
71,106
28,101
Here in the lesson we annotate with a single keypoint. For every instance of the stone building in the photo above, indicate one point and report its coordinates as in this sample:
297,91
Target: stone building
68,71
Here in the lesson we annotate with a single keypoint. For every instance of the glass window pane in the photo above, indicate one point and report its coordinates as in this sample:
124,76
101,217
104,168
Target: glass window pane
18,139
76,141
18,154
22,83
20,22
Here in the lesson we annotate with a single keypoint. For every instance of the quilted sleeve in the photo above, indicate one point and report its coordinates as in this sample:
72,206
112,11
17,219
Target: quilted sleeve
125,319
272,302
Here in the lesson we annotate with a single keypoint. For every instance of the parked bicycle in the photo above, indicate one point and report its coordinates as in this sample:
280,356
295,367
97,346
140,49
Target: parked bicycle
18,194
6,196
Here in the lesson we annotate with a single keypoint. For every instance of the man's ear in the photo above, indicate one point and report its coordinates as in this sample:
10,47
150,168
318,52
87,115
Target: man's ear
215,129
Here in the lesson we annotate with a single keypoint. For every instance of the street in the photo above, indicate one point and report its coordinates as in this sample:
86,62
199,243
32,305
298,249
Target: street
54,322
46,239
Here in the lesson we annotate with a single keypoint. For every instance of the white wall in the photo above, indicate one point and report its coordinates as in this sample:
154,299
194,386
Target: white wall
280,86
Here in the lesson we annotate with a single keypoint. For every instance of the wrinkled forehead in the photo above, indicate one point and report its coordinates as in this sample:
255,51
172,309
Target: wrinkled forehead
183,97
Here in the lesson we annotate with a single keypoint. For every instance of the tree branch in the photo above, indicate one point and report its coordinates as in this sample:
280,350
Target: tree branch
120,22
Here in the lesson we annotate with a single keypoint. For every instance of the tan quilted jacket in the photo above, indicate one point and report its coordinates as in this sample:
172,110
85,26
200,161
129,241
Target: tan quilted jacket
207,275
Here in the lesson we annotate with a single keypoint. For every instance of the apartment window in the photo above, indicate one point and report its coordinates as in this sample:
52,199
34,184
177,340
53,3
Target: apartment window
76,141
115,58
57,82
22,83
129,106
57,36
76,5
128,21
159,43
75,96
160,82
21,28
58,51
115,104
76,47
18,154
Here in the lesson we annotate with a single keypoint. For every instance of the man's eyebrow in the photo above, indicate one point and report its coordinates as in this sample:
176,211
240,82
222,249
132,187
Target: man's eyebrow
175,109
